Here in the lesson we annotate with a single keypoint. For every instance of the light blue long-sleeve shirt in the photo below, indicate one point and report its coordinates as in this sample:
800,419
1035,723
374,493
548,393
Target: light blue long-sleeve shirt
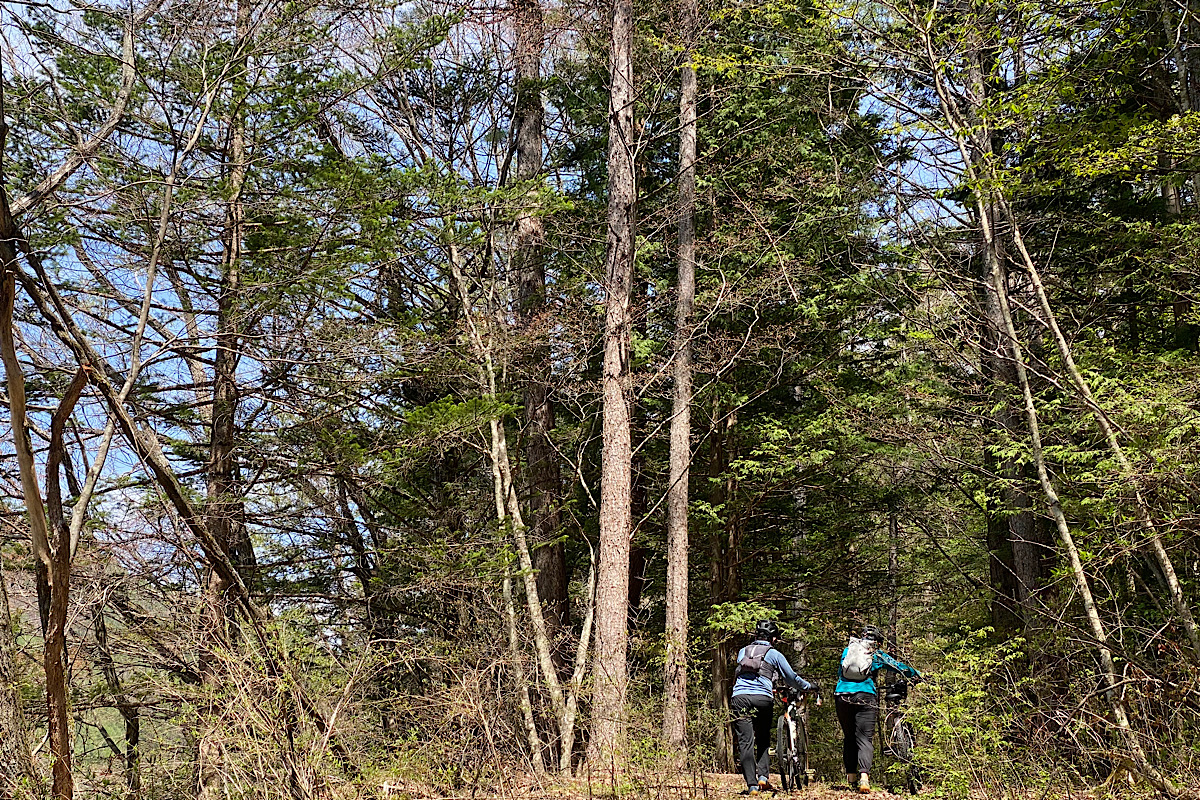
880,660
749,683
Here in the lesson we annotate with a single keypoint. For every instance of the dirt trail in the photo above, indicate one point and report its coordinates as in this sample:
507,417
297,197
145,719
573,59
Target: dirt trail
707,786
728,786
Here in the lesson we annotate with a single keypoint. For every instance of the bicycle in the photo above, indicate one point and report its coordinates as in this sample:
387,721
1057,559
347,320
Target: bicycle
791,737
899,738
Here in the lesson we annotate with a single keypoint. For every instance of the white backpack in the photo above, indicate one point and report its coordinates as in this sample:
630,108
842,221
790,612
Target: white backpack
856,664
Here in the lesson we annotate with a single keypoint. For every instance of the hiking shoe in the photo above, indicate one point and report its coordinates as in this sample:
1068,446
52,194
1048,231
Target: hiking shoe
764,785
852,779
864,784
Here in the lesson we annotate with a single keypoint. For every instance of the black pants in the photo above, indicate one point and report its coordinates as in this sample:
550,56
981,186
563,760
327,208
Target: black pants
858,732
752,724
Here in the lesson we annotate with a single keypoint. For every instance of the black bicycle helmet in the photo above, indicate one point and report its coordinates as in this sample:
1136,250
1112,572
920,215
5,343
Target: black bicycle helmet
766,630
872,634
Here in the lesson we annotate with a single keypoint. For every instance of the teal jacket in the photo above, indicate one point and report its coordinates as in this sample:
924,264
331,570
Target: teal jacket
881,661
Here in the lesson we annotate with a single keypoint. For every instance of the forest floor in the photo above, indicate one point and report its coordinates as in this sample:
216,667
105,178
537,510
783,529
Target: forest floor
706,786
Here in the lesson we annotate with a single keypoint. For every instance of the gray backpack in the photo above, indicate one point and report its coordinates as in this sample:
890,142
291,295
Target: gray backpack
754,662
856,664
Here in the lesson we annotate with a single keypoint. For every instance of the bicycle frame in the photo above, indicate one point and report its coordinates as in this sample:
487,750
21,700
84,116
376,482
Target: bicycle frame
791,732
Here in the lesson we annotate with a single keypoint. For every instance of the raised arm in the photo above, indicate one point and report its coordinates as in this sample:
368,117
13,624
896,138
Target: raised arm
896,664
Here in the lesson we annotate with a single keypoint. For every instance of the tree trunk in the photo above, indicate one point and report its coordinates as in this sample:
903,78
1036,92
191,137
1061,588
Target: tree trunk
579,670
54,661
223,507
1006,608
50,547
536,758
612,593
1013,556
508,508
128,710
675,667
723,580
893,575
543,481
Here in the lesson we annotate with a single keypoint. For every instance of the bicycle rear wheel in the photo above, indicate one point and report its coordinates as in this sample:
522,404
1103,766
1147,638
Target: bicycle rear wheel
903,740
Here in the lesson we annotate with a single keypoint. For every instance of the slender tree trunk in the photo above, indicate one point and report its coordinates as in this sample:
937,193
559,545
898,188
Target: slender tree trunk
536,758
223,508
1003,525
612,594
127,709
52,551
1141,507
54,660
508,506
543,480
541,630
1120,716
893,575
723,582
51,547
579,670
675,667
1010,524
639,491
16,763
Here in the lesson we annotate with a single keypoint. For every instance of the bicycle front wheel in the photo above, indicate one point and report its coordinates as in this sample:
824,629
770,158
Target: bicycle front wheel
785,754
800,757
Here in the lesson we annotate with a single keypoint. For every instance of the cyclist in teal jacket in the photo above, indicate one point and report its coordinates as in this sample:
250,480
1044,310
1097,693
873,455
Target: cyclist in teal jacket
857,706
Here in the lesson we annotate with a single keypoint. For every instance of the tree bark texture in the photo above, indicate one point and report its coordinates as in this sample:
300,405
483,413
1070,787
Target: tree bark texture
724,581
222,510
612,592
1014,556
542,478
680,457
51,548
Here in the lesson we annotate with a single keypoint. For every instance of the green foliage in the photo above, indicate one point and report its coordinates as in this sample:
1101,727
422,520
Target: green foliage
725,619
963,716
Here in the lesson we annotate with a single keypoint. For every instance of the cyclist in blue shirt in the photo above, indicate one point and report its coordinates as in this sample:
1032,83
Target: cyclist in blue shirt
759,663
857,705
